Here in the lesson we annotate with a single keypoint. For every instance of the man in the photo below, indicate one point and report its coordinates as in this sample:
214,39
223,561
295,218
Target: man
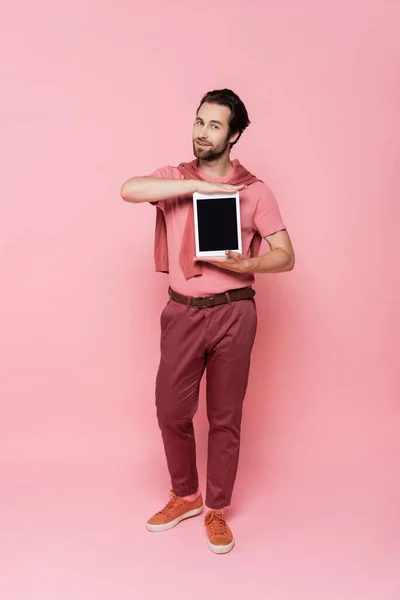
210,320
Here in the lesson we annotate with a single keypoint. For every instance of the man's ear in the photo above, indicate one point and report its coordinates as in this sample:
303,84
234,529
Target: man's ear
234,137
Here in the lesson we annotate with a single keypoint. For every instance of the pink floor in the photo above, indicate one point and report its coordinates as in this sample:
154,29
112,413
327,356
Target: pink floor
73,513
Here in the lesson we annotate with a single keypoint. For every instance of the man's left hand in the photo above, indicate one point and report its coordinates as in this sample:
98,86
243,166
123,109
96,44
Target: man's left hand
234,261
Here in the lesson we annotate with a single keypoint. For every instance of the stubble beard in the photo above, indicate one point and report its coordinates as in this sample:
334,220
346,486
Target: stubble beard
210,154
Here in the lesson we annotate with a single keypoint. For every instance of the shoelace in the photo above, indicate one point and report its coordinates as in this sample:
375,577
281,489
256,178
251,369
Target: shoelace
173,503
215,522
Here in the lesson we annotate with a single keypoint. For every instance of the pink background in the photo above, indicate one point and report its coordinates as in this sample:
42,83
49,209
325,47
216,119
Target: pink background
95,92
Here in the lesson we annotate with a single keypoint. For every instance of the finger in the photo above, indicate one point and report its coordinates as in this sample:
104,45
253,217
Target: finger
236,256
215,259
231,186
227,264
228,188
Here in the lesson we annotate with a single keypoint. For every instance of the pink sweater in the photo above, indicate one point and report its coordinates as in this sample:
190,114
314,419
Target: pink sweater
188,248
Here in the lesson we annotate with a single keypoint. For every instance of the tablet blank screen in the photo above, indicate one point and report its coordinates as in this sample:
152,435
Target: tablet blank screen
217,224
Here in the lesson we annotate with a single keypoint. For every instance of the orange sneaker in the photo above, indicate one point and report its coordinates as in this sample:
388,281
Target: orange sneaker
174,512
220,537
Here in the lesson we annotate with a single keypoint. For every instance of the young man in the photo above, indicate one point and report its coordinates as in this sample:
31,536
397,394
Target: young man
210,320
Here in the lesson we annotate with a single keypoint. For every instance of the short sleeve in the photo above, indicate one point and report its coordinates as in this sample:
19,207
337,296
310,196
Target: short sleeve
267,217
164,173
167,172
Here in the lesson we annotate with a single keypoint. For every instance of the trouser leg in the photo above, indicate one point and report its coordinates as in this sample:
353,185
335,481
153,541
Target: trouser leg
228,363
177,391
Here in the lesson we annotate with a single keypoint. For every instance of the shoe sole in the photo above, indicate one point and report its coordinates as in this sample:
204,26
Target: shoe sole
221,549
175,522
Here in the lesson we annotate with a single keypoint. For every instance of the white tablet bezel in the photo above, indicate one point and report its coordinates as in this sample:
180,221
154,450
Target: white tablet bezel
205,253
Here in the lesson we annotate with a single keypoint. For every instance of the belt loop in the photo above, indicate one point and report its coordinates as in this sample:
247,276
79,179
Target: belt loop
188,302
228,297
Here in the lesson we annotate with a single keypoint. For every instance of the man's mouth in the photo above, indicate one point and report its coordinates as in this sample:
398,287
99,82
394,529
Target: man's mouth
203,144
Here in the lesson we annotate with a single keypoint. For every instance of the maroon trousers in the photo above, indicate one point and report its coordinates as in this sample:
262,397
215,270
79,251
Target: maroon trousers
219,340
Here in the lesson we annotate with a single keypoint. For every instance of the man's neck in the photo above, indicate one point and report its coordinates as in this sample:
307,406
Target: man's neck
221,167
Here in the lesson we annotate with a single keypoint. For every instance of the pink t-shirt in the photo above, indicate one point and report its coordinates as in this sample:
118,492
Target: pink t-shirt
259,211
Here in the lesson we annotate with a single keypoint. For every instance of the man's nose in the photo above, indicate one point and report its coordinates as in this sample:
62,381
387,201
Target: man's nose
203,132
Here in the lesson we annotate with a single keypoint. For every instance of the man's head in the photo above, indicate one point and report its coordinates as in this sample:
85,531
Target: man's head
220,121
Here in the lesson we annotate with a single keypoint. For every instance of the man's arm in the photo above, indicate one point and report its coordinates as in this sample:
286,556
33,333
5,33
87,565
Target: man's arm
153,189
280,258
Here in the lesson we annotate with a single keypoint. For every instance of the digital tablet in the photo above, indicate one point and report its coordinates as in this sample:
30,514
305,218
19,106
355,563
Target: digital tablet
217,224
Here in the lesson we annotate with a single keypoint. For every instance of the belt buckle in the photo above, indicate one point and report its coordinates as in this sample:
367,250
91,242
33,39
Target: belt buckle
208,299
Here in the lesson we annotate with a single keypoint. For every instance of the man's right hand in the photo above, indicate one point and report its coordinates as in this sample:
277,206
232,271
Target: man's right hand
210,187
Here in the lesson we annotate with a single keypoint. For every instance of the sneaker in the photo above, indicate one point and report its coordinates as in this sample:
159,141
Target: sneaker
220,537
174,512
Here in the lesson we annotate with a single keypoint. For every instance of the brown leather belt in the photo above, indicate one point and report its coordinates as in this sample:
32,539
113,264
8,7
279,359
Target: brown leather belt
216,300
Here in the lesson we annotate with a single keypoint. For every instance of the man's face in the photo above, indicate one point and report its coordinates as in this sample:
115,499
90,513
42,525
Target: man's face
211,138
